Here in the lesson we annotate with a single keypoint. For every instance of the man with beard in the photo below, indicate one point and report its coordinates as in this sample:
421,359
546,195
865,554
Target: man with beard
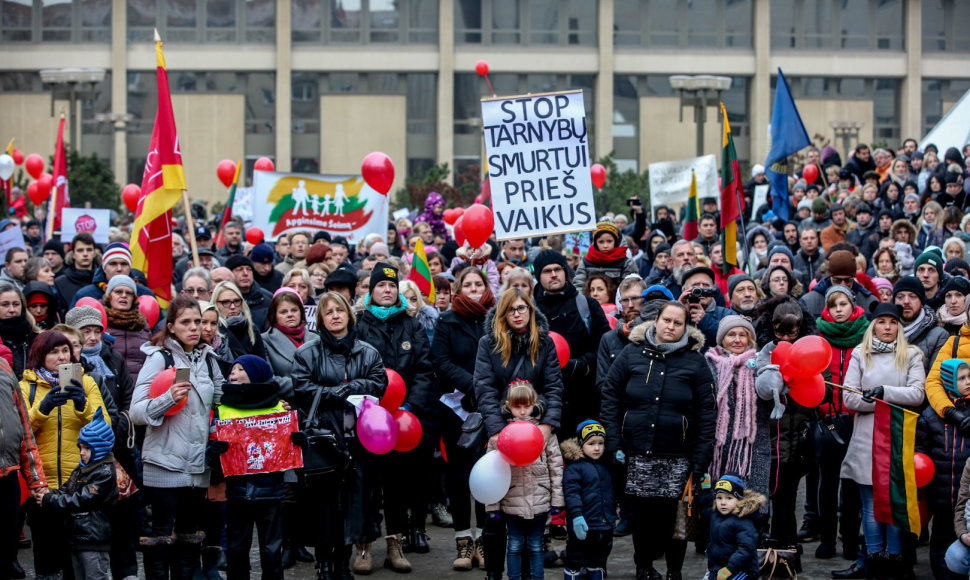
683,258
836,231
919,320
743,295
809,256
232,235
790,233
865,236
861,162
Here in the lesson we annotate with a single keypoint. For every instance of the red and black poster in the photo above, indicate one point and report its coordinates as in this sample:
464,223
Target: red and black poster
259,444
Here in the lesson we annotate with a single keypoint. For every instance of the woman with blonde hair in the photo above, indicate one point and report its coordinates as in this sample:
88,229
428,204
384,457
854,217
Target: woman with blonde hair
517,277
299,280
930,220
417,308
241,335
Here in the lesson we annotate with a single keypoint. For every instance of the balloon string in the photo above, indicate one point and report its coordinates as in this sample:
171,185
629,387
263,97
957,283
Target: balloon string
859,392
487,80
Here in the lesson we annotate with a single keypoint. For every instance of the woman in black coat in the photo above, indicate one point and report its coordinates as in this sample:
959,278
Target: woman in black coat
17,328
345,505
453,353
658,411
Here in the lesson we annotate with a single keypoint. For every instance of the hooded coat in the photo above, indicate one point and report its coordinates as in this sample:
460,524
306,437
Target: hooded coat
814,300
936,395
734,538
948,448
587,488
53,314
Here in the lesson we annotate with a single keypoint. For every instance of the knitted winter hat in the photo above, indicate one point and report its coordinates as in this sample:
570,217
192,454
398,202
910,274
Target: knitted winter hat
237,260
932,258
819,205
881,283
588,429
734,321
121,280
607,226
261,253
116,250
958,284
731,484
910,284
258,369
98,436
657,291
54,246
734,280
81,316
844,290
662,248
382,272
948,374
379,249
546,258
781,249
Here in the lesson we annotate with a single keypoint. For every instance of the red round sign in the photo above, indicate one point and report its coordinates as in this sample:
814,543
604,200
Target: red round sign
85,223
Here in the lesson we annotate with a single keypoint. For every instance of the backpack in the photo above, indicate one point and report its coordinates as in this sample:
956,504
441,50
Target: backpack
583,307
170,361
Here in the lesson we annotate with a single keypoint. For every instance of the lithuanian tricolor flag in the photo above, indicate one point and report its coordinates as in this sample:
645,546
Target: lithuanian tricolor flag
227,211
690,220
731,199
161,188
893,473
420,272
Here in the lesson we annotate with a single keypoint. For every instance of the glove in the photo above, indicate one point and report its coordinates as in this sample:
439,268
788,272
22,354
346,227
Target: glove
299,438
213,449
957,418
55,398
579,527
620,457
723,574
873,393
75,392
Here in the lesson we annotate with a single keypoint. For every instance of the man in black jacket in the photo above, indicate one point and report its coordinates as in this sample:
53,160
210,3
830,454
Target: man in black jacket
79,271
581,321
256,298
865,235
403,345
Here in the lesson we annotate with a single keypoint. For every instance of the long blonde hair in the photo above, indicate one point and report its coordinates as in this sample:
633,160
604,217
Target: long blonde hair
500,325
231,287
902,346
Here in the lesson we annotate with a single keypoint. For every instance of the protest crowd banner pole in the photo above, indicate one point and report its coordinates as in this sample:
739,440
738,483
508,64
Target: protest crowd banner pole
190,227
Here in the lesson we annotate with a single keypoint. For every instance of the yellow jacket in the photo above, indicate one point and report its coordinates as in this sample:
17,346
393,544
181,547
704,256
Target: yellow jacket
935,393
57,433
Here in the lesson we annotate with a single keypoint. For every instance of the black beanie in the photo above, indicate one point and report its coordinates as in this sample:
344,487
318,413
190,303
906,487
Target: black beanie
547,257
55,246
381,272
910,284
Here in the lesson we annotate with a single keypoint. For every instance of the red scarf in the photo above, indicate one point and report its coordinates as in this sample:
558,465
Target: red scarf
296,335
856,313
467,308
602,258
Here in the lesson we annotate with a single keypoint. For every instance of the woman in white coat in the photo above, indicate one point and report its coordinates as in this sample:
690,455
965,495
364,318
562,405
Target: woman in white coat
883,367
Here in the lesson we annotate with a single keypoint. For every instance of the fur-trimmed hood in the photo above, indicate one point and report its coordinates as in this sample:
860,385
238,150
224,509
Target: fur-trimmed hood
572,450
750,504
908,225
695,338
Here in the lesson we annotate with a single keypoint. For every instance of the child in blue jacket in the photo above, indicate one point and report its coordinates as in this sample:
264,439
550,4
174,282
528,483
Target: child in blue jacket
733,551
589,503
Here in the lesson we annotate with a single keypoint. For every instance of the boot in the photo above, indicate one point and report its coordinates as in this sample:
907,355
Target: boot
648,573
210,562
186,564
550,558
493,576
156,552
418,541
874,566
363,563
466,547
289,558
341,563
395,559
302,554
324,570
570,574
595,574
478,554
674,576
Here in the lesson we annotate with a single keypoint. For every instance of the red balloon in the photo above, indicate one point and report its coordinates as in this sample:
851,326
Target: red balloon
254,235
24,491
44,184
810,173
450,217
521,443
94,303
779,356
924,468
378,172
441,444
394,394
149,307
809,355
161,384
226,170
18,156
478,223
130,195
481,67
598,173
562,348
611,321
409,430
807,391
264,164
33,192
459,211
459,231
34,164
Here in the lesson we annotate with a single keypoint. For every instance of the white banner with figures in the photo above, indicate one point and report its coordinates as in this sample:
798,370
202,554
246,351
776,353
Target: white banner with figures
76,220
670,181
341,204
538,164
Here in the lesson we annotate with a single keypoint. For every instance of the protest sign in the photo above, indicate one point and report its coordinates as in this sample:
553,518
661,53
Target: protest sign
538,164
340,204
311,317
670,181
10,239
760,196
259,444
76,220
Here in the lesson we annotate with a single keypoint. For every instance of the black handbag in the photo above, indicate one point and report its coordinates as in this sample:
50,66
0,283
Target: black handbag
321,455
473,435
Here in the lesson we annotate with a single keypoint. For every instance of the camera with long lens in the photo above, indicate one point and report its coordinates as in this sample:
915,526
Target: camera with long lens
697,293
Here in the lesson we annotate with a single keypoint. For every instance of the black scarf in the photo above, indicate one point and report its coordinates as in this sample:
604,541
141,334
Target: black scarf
250,396
16,329
342,346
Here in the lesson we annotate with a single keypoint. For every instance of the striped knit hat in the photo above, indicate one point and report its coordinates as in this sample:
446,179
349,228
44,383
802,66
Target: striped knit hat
948,374
607,226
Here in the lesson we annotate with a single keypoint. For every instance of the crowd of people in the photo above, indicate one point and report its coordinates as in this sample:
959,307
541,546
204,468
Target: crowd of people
668,389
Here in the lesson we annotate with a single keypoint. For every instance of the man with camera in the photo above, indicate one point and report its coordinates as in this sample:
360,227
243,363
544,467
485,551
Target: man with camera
698,296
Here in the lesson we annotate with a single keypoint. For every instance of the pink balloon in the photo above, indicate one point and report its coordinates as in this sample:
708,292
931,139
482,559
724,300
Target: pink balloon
376,428
88,301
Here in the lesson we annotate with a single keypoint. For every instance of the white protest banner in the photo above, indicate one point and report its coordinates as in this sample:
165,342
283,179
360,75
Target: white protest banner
311,317
76,220
670,181
760,196
538,164
10,239
340,204
242,204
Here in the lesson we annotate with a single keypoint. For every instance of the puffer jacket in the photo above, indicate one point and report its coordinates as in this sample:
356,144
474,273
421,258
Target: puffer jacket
660,404
177,443
453,352
948,448
617,271
86,496
902,387
734,538
935,393
492,377
57,432
928,337
18,448
587,487
128,344
536,488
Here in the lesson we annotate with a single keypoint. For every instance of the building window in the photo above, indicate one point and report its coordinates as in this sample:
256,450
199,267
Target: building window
421,90
521,22
470,88
55,21
944,26
670,23
203,21
365,21
938,96
838,25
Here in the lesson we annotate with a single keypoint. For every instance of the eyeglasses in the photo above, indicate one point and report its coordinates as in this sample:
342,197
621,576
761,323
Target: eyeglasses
842,280
631,301
519,309
786,335
235,302
552,270
195,291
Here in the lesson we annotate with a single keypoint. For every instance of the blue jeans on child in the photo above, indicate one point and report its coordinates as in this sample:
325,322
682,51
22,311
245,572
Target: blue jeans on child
525,534
879,536
958,558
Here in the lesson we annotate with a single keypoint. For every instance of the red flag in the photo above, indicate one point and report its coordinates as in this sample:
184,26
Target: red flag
60,196
161,188
220,241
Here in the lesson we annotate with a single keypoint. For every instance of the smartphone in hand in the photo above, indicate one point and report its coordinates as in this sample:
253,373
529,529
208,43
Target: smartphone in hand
182,375
69,371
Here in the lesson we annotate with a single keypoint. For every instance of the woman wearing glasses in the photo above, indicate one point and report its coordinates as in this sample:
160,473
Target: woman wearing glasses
516,345
241,334
126,323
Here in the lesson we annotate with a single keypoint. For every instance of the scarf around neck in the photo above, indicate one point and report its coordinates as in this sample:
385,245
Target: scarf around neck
472,309
733,374
296,335
846,334
665,347
48,377
603,258
384,312
879,346
945,317
93,356
910,329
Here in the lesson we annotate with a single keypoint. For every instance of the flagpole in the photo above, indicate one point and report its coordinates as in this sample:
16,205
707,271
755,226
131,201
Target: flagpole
859,392
191,227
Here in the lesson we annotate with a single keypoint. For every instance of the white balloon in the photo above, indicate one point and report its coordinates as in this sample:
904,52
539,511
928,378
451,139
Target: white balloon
6,166
490,479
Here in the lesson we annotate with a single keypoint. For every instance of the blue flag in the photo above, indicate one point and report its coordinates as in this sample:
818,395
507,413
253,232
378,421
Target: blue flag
788,136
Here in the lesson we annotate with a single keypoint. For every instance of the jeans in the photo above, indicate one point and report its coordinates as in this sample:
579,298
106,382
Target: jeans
525,534
958,559
879,536
91,565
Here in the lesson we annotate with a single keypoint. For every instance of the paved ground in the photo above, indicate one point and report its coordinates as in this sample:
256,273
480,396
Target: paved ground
437,564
